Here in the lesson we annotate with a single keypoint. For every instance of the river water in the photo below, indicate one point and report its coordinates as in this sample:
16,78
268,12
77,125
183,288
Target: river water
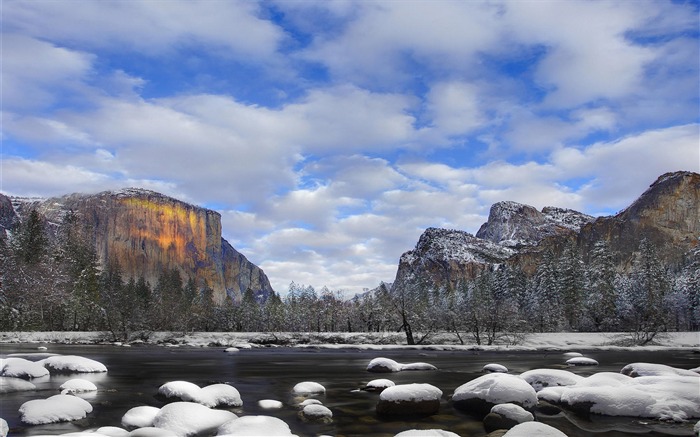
135,374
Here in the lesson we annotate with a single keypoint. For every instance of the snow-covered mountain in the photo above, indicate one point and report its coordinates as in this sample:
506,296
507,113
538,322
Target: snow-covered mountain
668,214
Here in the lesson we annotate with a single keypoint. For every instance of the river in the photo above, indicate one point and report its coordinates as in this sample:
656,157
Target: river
135,373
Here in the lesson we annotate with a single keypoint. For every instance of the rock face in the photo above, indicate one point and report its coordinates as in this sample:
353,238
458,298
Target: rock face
668,214
148,233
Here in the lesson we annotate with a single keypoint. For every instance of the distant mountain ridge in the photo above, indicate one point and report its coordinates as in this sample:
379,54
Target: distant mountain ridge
667,214
147,232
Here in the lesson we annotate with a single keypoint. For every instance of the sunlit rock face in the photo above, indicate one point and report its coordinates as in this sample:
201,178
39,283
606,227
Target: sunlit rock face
148,233
667,214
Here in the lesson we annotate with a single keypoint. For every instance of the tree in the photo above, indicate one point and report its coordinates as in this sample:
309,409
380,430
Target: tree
570,286
546,305
601,301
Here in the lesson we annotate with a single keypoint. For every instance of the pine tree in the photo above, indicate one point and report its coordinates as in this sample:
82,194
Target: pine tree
601,302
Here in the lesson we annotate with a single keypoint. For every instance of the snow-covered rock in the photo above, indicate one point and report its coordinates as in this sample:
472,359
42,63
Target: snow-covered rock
215,395
232,350
581,361
669,397
189,418
531,429
111,431
254,426
506,416
568,355
151,431
21,368
379,384
387,365
308,388
495,368
316,413
140,417
481,394
650,369
58,408
4,428
310,402
426,433
270,404
541,378
409,399
72,364
77,385
11,385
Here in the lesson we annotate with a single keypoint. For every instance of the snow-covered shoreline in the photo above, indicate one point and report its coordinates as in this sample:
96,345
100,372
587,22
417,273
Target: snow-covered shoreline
365,341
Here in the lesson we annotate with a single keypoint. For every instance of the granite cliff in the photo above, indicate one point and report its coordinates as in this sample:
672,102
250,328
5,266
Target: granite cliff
667,214
148,233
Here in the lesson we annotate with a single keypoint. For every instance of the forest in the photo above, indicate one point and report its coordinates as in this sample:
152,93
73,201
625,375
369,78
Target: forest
51,280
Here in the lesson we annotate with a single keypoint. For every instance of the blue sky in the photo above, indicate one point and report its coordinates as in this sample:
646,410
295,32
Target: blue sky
330,134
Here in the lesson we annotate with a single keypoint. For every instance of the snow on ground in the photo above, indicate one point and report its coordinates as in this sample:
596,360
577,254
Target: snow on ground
215,395
255,426
58,408
563,341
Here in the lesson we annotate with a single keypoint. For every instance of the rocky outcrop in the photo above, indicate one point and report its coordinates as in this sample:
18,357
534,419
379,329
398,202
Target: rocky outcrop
668,214
148,233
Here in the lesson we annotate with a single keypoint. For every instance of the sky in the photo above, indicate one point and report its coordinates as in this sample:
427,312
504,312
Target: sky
330,134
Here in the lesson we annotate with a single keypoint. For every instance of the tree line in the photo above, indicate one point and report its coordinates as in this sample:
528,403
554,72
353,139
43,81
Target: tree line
51,280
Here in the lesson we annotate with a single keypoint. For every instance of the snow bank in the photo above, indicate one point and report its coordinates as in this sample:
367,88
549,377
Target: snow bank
387,365
308,388
541,378
58,408
72,364
215,395
189,418
78,386
649,369
10,385
530,429
254,426
140,417
21,368
492,389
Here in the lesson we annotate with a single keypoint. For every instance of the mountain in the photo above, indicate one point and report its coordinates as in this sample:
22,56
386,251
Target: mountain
667,214
148,233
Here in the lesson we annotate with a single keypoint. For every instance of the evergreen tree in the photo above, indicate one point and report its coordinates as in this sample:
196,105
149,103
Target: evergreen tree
570,286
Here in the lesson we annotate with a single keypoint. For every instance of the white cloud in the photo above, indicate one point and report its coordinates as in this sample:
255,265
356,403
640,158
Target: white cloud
454,107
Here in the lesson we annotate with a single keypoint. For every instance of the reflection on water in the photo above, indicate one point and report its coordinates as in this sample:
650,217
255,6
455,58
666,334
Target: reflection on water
136,373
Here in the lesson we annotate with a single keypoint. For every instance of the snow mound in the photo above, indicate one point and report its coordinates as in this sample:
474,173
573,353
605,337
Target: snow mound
189,418
140,417
530,429
151,431
379,384
21,368
316,413
215,395
11,385
491,389
411,393
254,426
78,386
308,388
111,431
232,350
426,433
4,428
513,412
568,355
649,369
310,402
72,364
668,398
495,368
58,408
542,378
270,404
387,365
581,361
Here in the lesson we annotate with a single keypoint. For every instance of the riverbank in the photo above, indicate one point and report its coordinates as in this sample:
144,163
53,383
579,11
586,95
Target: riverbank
364,341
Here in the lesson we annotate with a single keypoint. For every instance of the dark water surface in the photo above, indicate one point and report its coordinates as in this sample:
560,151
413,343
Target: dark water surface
270,373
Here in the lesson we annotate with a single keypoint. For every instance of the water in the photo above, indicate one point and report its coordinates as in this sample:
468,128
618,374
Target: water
136,373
